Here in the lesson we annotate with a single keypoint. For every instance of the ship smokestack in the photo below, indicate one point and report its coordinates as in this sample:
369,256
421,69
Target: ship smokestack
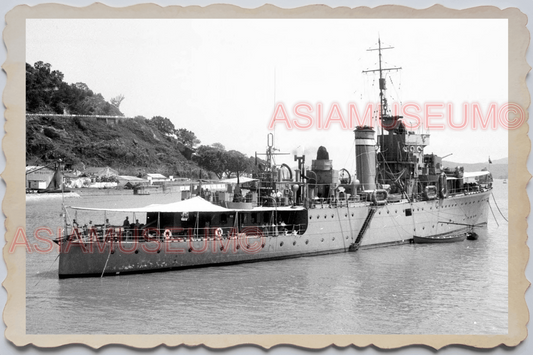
365,157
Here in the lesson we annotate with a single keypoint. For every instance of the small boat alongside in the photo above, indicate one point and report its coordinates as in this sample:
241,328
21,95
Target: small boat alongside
446,238
472,236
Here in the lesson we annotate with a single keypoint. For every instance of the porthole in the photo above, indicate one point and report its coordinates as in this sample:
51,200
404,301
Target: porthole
307,241
281,244
332,216
137,251
322,240
293,243
310,217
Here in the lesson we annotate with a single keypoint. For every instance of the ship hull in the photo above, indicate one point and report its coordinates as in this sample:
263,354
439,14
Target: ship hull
331,229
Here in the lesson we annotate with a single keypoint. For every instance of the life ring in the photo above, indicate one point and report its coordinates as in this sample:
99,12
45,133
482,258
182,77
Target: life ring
218,232
443,186
168,234
379,196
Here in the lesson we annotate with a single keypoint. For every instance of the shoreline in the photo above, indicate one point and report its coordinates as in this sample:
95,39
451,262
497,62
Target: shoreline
81,192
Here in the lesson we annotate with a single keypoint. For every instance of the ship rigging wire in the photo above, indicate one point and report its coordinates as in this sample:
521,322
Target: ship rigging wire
53,262
340,225
396,225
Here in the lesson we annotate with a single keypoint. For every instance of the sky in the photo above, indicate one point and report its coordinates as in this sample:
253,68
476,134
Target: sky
224,78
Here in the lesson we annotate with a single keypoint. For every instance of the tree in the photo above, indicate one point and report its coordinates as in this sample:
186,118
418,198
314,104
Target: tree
82,87
46,92
236,162
211,159
188,138
117,100
219,146
97,105
41,85
163,124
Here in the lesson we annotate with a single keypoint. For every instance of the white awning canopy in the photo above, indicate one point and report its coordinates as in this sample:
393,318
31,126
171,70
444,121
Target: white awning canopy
479,176
195,204
472,174
242,180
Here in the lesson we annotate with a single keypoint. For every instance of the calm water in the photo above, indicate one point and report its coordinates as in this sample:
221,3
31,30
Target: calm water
458,288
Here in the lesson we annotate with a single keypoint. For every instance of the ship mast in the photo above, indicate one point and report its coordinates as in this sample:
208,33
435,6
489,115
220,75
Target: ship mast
382,87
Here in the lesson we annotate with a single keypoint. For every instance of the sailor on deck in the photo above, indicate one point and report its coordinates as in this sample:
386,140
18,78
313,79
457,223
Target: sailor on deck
126,226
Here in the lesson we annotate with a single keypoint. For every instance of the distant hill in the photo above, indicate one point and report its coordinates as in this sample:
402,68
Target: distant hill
501,161
498,168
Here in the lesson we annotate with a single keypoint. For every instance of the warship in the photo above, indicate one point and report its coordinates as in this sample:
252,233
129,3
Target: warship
399,195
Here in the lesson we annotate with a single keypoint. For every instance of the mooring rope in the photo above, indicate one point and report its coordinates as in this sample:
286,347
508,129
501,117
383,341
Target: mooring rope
53,262
494,198
494,215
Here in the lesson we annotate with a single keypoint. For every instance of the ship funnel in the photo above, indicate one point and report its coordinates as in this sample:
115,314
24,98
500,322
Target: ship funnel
365,157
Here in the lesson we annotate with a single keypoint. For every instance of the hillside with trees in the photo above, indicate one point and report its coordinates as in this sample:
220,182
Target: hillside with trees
46,92
132,146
